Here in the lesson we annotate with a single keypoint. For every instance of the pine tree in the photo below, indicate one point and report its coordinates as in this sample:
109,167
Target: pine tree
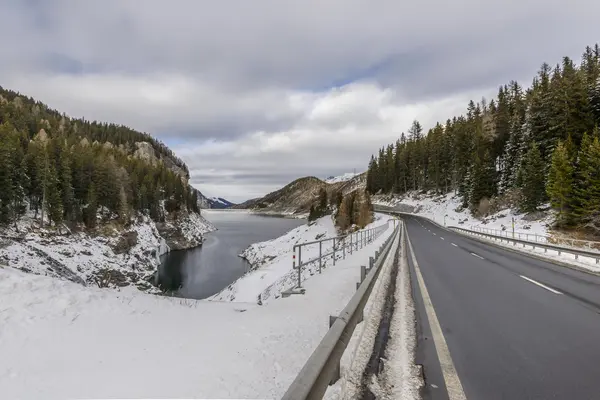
482,180
560,184
513,154
322,201
311,213
66,186
91,208
54,206
589,194
532,175
6,184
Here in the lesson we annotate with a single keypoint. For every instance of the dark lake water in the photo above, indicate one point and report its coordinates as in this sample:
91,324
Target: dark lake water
203,271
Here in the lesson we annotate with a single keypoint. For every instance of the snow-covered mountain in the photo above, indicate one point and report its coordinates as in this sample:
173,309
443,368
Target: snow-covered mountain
342,178
219,202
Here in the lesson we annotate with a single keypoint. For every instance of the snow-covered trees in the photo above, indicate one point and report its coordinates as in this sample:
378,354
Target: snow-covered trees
489,149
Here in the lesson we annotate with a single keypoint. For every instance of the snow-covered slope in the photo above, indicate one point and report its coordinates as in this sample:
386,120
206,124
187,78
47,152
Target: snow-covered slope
219,202
271,261
60,340
449,205
342,178
114,259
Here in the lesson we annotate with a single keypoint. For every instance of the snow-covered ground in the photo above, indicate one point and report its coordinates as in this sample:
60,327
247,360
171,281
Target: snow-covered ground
63,340
436,207
342,178
272,260
84,258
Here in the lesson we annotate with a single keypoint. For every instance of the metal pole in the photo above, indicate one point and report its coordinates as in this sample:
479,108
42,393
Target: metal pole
320,256
351,243
334,251
299,267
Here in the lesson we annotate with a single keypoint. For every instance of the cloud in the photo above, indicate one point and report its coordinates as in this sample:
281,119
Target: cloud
265,83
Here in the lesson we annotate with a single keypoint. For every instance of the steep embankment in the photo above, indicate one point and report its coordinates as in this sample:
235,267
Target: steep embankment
296,197
90,202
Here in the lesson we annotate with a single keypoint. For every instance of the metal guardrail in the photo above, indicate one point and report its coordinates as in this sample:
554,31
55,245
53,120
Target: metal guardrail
575,243
339,244
546,246
323,366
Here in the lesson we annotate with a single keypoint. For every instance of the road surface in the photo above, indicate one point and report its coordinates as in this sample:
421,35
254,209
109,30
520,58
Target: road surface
515,327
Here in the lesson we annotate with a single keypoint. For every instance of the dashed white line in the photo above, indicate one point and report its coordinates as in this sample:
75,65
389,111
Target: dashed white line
477,255
540,285
434,233
454,244
442,238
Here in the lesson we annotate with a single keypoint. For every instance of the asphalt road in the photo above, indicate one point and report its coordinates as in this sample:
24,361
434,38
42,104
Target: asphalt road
515,327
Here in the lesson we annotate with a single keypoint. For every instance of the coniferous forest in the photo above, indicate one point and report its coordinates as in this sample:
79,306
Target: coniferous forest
532,146
81,173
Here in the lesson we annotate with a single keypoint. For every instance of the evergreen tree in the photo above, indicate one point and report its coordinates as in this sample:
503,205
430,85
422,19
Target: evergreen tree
54,206
560,184
589,193
532,176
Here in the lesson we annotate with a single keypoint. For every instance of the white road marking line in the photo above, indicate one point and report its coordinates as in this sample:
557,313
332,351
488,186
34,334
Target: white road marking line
434,233
454,244
442,238
477,255
540,285
453,385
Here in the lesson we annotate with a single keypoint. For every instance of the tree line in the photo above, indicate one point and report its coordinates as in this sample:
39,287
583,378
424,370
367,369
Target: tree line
56,168
354,208
529,146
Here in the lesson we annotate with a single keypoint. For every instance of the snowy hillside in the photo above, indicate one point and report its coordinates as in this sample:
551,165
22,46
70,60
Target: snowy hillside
219,202
342,178
60,340
272,261
114,259
436,207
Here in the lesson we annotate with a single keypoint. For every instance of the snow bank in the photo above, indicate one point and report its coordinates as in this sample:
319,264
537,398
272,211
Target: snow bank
435,207
272,261
114,259
62,340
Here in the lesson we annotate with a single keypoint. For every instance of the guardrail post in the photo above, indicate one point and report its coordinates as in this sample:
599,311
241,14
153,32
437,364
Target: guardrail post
320,256
333,251
336,374
351,243
363,272
372,262
299,267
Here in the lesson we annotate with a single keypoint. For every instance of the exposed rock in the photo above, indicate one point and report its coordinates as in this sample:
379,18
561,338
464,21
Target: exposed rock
126,241
84,142
145,152
176,238
534,216
41,136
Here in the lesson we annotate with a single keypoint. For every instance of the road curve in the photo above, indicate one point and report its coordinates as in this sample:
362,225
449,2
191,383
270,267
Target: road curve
515,327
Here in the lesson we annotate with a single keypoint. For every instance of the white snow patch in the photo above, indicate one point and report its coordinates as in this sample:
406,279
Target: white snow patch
342,178
62,340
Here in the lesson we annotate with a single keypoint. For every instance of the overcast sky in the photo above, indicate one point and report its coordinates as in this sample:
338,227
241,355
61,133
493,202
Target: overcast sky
255,93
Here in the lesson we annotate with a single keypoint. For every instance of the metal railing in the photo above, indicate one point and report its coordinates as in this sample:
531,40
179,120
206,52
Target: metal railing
323,366
544,245
320,250
534,237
